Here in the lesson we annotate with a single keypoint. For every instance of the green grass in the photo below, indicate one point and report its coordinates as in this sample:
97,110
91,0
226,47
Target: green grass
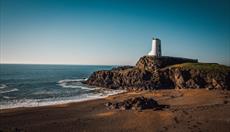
203,67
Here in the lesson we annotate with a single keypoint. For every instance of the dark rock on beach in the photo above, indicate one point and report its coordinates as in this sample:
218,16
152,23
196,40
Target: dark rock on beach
136,103
163,73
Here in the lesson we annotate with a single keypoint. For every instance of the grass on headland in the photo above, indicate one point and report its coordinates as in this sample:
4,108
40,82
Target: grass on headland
204,67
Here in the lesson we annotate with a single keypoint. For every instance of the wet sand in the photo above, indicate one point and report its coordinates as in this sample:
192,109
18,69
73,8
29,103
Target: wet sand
190,110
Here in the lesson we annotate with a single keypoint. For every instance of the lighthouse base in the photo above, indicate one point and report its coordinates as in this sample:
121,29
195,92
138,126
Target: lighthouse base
151,53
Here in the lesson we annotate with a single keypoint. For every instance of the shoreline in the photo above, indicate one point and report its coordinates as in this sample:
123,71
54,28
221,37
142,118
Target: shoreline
190,110
62,103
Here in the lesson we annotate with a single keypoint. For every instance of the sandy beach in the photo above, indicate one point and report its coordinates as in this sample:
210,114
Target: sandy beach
190,110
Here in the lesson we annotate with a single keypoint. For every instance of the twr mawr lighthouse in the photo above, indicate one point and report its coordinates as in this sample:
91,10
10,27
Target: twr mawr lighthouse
156,47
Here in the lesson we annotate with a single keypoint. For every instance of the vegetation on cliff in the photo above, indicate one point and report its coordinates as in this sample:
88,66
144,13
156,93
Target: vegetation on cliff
208,67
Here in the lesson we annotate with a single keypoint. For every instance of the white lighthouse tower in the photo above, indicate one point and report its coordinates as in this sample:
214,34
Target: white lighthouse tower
156,47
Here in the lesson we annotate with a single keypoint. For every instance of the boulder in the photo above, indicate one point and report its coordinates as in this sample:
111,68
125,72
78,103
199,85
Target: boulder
135,103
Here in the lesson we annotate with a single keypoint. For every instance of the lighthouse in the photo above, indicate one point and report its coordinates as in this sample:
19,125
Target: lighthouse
156,47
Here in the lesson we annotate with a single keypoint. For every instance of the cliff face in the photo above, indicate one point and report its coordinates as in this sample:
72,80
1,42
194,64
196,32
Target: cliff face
198,75
163,72
128,78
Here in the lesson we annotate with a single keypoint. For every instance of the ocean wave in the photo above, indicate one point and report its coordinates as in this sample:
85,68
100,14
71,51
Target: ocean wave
55,101
2,86
64,85
7,91
45,92
74,83
7,97
72,80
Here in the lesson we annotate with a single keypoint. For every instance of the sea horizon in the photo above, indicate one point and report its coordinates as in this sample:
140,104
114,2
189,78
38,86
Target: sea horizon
60,64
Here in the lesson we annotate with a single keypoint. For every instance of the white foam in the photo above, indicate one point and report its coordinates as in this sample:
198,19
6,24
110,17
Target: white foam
44,92
72,80
2,86
7,97
55,101
74,83
75,86
7,91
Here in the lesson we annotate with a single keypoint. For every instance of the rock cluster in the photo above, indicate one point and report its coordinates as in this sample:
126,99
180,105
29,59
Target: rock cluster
163,73
135,103
199,78
121,79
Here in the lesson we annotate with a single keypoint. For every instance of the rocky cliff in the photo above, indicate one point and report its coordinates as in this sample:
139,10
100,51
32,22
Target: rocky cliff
163,73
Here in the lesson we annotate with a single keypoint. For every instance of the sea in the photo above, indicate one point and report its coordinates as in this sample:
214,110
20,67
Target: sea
29,85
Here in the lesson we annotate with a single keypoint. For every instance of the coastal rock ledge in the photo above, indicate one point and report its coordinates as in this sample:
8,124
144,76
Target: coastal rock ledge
163,73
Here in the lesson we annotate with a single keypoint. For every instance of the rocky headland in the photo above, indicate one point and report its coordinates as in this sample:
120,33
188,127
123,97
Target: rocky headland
151,72
185,109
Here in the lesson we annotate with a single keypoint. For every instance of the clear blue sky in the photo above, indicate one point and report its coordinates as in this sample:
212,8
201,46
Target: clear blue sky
112,31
